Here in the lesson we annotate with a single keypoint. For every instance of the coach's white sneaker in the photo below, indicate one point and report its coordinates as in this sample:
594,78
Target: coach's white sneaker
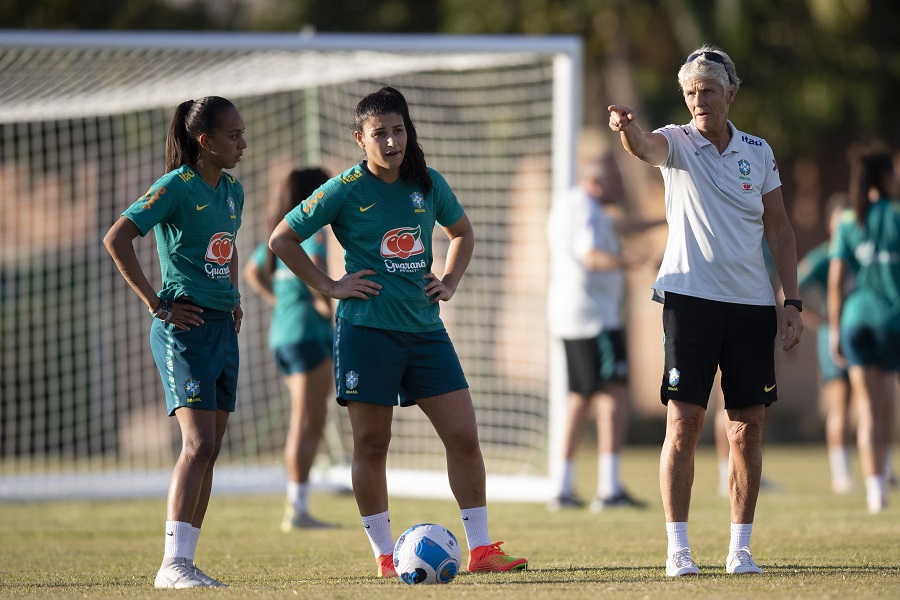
178,575
206,579
681,564
740,562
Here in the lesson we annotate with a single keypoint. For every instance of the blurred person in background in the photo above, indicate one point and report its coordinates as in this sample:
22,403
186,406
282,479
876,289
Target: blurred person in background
865,322
723,196
300,338
834,385
195,212
585,303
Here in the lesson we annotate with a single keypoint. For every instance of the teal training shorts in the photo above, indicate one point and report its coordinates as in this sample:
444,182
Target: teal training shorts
393,368
198,367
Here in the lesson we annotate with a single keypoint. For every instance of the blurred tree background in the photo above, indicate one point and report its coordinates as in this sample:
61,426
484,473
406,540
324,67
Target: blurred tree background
819,75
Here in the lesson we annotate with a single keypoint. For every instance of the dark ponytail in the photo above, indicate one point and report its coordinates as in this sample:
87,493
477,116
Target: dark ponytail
299,185
869,171
389,100
191,118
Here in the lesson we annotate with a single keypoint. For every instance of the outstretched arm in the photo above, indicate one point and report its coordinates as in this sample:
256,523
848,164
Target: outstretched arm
652,148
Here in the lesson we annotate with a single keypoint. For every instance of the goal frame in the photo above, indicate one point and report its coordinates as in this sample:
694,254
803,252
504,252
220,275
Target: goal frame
566,100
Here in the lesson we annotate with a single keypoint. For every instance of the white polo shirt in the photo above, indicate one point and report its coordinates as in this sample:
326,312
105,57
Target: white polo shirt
714,210
581,303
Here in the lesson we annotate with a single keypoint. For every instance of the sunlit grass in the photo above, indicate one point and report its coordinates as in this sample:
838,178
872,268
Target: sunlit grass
811,543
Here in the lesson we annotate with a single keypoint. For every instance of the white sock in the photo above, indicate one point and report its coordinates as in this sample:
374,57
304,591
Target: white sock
178,540
740,536
192,545
876,492
566,485
475,523
839,459
677,534
298,496
608,484
378,528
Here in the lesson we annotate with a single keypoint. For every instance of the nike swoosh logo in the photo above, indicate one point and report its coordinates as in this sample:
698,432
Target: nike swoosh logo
170,533
365,208
465,518
368,526
202,207
768,388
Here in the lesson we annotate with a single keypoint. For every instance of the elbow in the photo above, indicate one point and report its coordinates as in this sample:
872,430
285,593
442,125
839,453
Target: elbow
275,242
110,242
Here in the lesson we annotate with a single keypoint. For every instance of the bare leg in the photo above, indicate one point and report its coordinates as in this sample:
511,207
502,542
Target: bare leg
873,389
575,415
684,422
371,425
191,483
744,429
453,417
612,418
309,408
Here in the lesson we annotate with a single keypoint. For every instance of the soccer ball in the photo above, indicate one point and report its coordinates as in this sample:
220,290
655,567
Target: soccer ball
427,553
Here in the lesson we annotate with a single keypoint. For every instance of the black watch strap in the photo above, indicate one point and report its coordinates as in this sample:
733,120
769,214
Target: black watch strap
798,304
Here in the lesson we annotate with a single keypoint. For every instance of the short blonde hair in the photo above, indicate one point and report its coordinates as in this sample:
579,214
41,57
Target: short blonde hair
709,63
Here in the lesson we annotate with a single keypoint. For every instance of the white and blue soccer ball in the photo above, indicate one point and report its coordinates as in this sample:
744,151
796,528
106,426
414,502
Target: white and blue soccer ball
427,553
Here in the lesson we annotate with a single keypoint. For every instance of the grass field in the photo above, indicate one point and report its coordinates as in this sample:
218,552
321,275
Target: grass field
811,543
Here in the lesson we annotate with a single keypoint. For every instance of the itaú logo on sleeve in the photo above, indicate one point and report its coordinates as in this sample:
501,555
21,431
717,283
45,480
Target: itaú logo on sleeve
219,251
402,242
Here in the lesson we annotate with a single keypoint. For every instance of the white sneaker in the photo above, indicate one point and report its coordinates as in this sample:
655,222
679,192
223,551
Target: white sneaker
681,564
206,579
876,503
842,485
179,575
740,562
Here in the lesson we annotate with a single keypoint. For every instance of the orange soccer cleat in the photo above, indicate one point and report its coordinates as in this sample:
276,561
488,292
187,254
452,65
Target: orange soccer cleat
386,566
491,559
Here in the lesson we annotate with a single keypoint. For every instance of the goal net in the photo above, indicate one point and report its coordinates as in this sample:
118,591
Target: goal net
83,120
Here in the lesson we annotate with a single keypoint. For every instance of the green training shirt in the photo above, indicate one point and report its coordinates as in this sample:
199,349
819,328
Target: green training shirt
195,227
873,254
386,227
294,318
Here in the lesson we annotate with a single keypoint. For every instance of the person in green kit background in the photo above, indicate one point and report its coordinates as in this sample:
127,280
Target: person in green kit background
300,337
865,324
194,211
391,347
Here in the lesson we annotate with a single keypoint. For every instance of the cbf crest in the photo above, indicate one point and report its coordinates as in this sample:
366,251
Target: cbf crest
744,166
674,378
191,388
231,206
351,381
418,201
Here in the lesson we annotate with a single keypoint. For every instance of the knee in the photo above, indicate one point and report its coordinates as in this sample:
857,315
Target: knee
463,442
686,427
201,449
746,434
372,445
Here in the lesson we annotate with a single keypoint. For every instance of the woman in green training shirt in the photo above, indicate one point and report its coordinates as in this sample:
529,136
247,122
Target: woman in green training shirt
391,347
865,325
194,211
300,337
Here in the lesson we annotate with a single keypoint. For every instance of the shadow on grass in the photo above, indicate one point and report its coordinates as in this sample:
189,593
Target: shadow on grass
622,574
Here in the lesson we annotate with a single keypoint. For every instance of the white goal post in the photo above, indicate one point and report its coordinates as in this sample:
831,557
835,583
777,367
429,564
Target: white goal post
83,120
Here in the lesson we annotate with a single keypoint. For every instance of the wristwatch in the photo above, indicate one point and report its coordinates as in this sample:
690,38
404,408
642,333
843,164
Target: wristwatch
798,304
